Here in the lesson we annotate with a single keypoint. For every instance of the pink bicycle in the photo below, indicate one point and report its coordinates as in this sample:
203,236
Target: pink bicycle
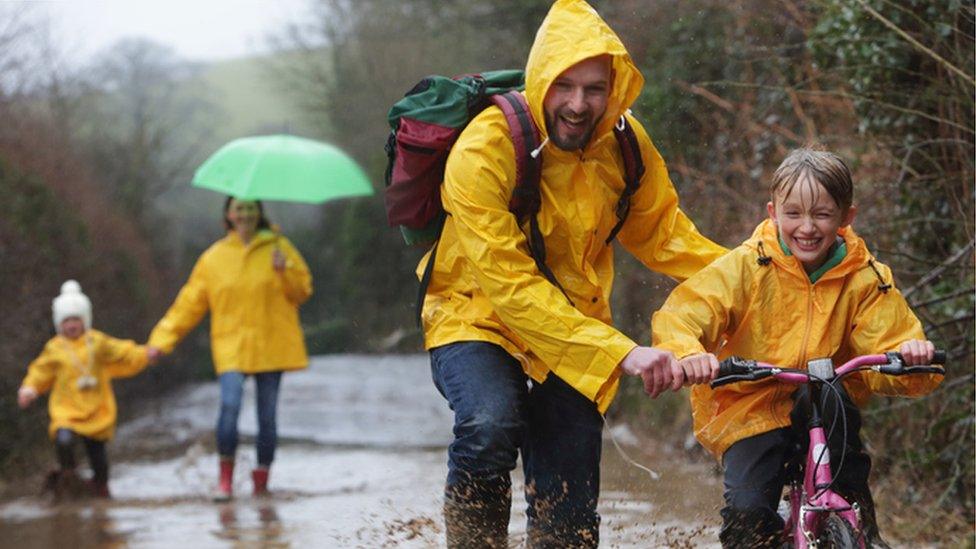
818,516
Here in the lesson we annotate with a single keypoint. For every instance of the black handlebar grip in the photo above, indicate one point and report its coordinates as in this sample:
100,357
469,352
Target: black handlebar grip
726,368
939,357
719,381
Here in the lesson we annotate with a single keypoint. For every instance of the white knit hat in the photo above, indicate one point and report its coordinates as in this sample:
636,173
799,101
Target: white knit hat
71,303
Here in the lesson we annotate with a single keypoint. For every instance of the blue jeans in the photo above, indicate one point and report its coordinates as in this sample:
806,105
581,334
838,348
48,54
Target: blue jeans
497,414
231,391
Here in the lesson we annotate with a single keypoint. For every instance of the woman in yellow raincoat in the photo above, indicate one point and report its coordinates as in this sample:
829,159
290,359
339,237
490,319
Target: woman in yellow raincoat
77,366
493,322
803,286
252,282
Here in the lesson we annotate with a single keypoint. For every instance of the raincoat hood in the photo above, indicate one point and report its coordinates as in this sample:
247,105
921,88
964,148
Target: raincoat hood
765,242
572,32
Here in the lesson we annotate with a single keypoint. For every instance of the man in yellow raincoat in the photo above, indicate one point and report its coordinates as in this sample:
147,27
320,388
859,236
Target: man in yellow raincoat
803,286
493,322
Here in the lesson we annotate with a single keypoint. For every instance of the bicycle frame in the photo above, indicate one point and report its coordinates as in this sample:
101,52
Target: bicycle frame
810,506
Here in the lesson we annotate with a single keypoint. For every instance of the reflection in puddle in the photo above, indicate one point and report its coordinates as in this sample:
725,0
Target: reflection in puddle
250,525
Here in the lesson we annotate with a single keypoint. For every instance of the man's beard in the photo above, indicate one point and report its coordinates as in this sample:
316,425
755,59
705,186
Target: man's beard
572,144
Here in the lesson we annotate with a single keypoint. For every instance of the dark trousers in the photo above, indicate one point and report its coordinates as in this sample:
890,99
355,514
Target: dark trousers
757,468
496,415
64,441
231,393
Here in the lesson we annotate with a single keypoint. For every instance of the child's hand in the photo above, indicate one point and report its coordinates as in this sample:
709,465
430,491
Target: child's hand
700,368
917,352
25,395
153,354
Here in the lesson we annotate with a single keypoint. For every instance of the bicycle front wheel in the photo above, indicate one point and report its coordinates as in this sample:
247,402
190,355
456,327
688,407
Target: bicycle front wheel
838,533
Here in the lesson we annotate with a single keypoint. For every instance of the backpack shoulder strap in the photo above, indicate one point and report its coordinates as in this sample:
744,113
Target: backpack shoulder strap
633,170
526,199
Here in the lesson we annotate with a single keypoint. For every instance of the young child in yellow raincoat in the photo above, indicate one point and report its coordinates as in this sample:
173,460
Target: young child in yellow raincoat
803,286
77,366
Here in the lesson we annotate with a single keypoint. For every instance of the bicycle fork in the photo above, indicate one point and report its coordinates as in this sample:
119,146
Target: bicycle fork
810,508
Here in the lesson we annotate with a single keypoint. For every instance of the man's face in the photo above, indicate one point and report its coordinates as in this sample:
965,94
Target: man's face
576,101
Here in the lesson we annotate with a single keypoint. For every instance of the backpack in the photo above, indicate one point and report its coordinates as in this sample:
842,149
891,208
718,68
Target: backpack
426,123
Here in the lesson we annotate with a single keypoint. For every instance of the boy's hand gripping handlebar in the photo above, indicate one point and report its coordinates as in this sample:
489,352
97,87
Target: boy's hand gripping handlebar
735,369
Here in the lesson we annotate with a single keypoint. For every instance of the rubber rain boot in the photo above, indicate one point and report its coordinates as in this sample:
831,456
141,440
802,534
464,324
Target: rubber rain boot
476,514
225,484
869,520
260,478
99,489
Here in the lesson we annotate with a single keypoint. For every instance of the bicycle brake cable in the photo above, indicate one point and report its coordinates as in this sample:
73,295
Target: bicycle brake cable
842,416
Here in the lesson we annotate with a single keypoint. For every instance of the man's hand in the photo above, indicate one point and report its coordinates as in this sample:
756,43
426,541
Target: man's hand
917,352
25,395
700,368
657,368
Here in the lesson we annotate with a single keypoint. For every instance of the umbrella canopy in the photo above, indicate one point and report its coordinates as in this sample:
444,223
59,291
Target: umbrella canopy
282,167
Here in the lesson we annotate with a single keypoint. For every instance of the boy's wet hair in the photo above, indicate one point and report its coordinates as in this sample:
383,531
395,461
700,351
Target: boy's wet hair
263,222
822,166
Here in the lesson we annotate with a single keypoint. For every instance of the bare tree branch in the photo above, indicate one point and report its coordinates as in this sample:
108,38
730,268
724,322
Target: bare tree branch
936,272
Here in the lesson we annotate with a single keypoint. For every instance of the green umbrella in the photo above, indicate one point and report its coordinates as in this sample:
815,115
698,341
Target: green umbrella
282,167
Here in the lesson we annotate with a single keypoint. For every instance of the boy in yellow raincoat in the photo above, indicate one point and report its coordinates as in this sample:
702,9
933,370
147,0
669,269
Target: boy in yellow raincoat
77,366
803,286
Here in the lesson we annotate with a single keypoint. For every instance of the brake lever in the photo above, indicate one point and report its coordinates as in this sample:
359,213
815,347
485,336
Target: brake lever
752,375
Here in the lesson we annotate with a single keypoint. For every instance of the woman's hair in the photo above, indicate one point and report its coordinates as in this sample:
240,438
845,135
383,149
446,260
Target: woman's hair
263,222
824,167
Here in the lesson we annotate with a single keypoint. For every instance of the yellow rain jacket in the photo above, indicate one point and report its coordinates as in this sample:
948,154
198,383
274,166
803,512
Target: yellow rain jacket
486,286
773,313
254,324
91,411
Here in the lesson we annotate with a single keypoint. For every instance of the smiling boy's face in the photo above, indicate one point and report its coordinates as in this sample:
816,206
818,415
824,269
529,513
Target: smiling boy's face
72,327
808,219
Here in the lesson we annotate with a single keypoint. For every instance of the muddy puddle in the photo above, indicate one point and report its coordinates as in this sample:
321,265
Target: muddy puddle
361,463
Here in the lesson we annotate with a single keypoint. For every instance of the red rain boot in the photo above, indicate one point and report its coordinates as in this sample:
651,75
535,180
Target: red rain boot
260,478
99,489
225,486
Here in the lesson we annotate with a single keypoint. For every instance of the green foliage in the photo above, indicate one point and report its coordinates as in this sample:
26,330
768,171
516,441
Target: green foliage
917,100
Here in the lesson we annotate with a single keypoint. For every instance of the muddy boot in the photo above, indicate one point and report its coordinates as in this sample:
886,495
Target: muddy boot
50,485
99,489
476,513
225,484
752,527
260,478
869,520
69,486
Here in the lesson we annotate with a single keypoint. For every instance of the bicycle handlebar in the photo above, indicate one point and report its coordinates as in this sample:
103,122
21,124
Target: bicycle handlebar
735,369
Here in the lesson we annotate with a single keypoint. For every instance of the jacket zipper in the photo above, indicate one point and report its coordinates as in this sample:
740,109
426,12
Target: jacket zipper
803,346
806,327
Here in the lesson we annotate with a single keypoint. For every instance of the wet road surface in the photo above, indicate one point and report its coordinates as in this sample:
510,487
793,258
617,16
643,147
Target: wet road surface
360,463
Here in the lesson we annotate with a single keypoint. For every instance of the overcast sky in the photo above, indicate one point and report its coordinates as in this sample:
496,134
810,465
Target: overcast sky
199,30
